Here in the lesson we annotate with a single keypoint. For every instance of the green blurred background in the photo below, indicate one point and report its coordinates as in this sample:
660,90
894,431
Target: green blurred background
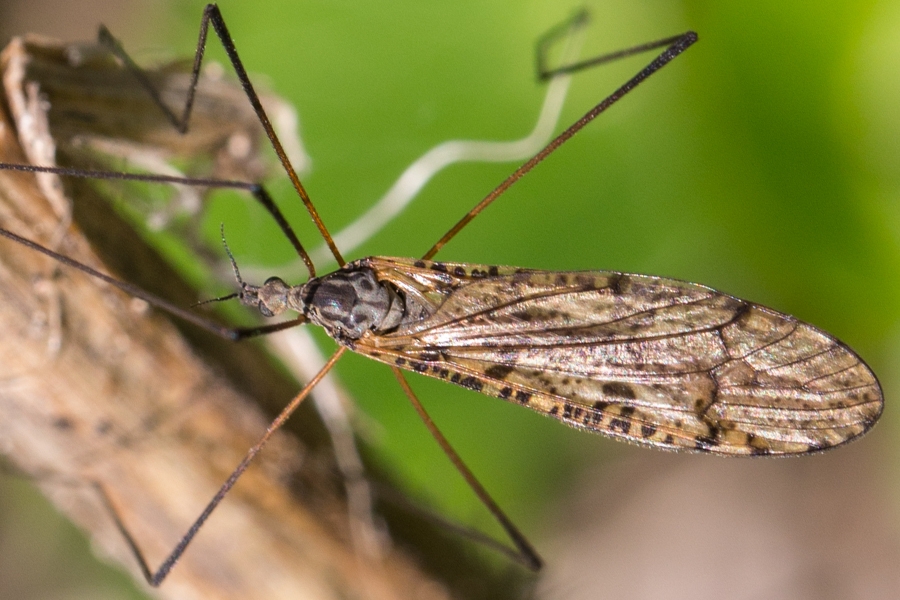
764,162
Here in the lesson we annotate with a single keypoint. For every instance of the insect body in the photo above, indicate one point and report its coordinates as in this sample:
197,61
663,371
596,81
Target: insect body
650,360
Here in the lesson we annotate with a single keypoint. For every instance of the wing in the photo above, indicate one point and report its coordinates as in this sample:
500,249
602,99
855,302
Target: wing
653,361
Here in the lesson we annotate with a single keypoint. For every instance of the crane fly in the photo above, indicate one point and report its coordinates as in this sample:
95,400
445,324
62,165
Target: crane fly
649,360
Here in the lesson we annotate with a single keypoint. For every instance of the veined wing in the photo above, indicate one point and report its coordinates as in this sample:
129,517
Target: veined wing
650,360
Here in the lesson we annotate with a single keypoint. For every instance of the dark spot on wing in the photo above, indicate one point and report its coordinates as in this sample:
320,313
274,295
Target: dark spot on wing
647,430
459,271
616,282
471,383
429,355
740,314
620,424
704,442
467,381
505,393
522,397
441,267
493,271
619,390
63,423
498,372
400,361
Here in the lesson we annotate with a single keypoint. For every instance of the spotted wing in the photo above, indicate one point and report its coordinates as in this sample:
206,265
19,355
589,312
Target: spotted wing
654,361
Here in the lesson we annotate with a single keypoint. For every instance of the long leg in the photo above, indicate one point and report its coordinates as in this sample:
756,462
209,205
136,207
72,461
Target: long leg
256,189
211,14
424,169
191,317
525,552
676,45
580,19
155,578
